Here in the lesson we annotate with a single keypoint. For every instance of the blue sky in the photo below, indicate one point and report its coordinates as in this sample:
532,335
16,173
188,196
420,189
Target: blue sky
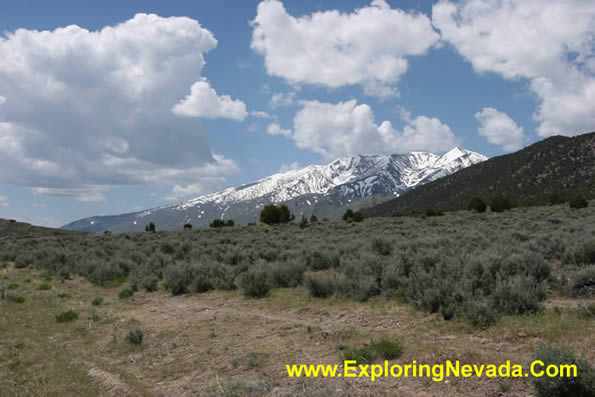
126,111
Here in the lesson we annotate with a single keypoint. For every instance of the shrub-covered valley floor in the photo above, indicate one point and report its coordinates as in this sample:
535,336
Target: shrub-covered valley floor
479,288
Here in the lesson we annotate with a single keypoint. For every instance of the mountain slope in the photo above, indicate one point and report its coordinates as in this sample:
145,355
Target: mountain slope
319,189
555,165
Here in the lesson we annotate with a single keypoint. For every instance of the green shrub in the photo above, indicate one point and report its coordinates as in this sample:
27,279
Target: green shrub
433,212
255,283
149,283
477,204
500,204
273,215
97,301
357,286
44,287
126,293
348,215
480,313
303,223
177,278
556,198
187,226
150,227
217,223
387,349
135,337
15,298
286,275
581,252
358,216
518,295
229,223
322,259
66,317
12,286
578,202
23,260
320,285
583,283
582,385
382,246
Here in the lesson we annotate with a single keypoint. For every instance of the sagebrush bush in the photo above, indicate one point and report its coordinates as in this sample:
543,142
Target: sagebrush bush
321,285
286,275
462,265
322,259
177,279
382,246
126,293
66,317
583,385
583,283
135,337
581,252
15,298
255,283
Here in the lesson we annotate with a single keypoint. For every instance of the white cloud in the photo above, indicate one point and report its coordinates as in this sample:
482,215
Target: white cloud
2,99
210,176
275,129
549,42
290,167
262,115
204,102
346,128
89,194
367,47
107,121
283,99
4,201
500,129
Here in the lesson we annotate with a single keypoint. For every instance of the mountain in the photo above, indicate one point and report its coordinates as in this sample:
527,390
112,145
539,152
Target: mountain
561,165
319,189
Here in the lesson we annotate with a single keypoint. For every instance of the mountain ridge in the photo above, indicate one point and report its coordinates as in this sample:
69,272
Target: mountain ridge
327,186
559,164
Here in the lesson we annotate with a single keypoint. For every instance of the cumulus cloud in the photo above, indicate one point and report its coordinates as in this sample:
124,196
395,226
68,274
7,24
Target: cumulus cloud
367,47
211,177
500,129
204,102
548,42
275,129
290,167
346,128
4,201
2,99
283,99
88,110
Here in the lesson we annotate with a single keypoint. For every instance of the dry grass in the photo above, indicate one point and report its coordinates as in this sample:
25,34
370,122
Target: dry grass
220,343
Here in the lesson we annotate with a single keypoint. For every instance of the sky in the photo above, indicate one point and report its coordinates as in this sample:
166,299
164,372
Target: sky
112,107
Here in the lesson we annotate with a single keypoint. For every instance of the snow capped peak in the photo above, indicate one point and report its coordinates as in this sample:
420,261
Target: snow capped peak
353,176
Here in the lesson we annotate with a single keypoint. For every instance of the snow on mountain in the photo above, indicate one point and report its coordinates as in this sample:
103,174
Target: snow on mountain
372,174
330,186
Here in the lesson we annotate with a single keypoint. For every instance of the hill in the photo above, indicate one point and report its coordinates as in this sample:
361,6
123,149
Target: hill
530,176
